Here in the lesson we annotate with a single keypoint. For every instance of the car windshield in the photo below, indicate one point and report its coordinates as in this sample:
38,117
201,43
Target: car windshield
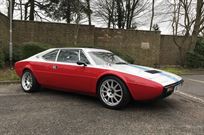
103,58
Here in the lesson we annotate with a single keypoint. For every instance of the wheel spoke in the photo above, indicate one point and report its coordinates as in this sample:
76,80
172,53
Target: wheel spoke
104,87
115,99
108,84
118,95
116,86
105,95
111,84
118,90
112,100
108,98
103,91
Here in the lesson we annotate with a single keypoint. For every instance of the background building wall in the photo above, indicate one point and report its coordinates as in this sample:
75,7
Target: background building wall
57,34
169,52
4,30
144,47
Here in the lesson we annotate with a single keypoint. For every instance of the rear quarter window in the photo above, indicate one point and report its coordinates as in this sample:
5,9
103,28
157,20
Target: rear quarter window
51,56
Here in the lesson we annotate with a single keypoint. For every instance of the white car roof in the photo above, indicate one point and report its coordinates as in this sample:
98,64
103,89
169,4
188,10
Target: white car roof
84,49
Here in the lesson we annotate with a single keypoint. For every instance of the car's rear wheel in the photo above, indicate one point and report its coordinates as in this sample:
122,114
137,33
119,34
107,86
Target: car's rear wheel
28,81
113,93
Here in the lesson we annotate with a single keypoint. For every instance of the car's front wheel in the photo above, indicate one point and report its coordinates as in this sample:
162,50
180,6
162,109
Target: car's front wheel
28,81
113,93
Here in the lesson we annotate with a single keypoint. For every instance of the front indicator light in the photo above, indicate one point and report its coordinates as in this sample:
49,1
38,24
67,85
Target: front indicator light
170,89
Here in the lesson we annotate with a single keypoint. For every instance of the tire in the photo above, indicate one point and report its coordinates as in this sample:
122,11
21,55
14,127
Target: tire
113,93
29,82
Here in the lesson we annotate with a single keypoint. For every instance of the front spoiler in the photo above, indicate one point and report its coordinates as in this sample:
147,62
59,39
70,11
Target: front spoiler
166,93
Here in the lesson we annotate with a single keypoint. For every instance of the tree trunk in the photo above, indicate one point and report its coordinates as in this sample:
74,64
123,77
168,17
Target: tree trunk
68,12
89,11
152,18
76,33
109,20
32,10
128,14
21,9
135,3
112,12
26,11
119,13
197,25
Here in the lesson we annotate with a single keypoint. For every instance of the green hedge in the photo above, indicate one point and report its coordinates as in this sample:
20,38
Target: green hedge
29,49
195,59
25,50
15,54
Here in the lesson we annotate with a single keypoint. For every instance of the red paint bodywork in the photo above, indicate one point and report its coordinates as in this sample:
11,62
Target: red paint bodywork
83,79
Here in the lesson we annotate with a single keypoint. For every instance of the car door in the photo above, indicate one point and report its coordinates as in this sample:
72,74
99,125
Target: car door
43,68
71,76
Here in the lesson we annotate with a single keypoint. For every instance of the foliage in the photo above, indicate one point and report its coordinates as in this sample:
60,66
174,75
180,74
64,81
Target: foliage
199,48
1,58
156,27
195,58
23,51
176,70
65,9
15,54
30,48
120,13
187,20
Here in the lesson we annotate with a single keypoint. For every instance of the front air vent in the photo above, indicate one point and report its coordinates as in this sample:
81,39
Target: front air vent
152,71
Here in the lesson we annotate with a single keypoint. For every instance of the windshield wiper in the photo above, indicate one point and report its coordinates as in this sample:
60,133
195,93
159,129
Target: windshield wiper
121,63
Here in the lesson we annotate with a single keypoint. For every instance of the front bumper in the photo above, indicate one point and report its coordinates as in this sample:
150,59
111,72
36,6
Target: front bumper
169,89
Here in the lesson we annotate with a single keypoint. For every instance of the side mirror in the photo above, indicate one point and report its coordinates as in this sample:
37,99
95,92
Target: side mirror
81,63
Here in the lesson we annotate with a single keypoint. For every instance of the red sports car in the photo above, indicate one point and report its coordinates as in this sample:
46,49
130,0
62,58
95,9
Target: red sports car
95,72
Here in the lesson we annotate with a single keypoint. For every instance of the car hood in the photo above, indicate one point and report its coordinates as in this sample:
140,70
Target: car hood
159,76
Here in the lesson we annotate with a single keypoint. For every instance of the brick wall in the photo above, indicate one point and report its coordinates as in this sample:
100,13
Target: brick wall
132,43
57,34
169,53
144,47
4,30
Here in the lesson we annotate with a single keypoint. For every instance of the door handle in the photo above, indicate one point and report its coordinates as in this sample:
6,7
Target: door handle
54,67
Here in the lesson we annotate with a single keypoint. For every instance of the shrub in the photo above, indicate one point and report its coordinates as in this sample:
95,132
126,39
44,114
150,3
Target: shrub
199,48
23,51
28,49
15,54
1,58
195,59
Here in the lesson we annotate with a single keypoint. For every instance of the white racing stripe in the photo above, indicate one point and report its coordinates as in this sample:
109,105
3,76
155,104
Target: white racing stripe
191,97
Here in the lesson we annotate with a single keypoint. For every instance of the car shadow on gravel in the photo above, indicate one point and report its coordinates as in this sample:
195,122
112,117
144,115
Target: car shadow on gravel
160,104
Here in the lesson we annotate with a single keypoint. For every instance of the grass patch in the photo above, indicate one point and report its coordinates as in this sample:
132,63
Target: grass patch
176,70
8,74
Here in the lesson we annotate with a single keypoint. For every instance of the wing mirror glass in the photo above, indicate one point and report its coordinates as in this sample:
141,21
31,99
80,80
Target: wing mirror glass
81,63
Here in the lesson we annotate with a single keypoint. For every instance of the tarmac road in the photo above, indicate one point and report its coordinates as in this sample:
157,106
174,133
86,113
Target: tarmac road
55,113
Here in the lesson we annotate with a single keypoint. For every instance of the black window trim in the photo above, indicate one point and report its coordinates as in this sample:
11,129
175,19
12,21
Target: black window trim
80,50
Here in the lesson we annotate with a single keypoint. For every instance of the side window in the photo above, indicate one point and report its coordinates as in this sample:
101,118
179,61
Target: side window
83,58
69,56
51,56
